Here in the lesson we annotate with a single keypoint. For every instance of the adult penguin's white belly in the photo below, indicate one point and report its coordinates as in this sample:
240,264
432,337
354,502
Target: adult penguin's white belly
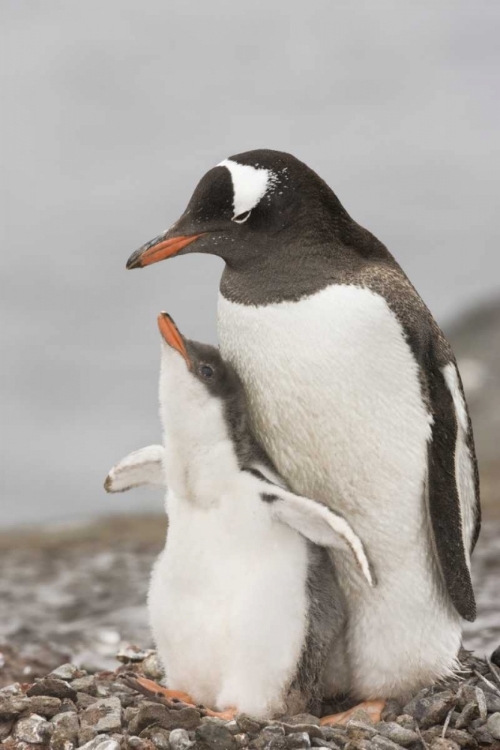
335,398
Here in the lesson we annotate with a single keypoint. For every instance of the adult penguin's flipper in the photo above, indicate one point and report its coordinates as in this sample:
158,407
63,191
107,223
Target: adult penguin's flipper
453,486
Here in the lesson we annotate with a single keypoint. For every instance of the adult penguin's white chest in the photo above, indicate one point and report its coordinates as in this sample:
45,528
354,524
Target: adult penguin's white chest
335,397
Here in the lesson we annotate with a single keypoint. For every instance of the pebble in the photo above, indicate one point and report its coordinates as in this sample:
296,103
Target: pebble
160,738
52,686
102,743
249,725
442,743
152,667
431,710
157,713
360,729
326,744
313,730
391,710
483,735
469,712
492,702
12,705
397,733
301,719
383,743
66,672
241,740
103,715
493,725
179,740
32,729
133,654
215,737
85,684
298,740
45,705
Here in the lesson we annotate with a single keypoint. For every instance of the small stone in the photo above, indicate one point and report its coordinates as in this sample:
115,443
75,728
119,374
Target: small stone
443,743
156,713
492,702
213,720
298,740
301,719
398,734
152,667
313,730
179,740
328,746
495,657
66,672
52,686
65,731
493,725
133,654
361,715
215,737
469,712
391,710
104,715
242,740
32,729
233,727
84,700
483,736
335,734
86,684
160,739
249,725
45,705
462,739
431,710
383,743
103,743
6,728
13,705
360,745
85,734
360,730
67,706
406,721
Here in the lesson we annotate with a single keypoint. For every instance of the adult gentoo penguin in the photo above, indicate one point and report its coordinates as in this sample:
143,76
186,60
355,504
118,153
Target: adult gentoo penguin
354,392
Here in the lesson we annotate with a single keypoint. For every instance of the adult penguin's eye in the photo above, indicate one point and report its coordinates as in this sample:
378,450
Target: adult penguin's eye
241,218
206,371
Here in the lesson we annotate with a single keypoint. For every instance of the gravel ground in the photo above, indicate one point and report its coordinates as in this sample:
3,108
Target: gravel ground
70,708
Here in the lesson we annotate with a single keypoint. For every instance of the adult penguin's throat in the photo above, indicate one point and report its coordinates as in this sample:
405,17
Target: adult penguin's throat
160,248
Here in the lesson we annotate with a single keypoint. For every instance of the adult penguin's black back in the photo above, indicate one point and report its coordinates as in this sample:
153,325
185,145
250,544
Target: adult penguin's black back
355,394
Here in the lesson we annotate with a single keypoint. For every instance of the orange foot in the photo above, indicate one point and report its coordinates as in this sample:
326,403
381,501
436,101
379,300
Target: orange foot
153,687
372,708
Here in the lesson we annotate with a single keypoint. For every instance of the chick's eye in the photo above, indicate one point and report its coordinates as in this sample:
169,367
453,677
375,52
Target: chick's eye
206,371
241,218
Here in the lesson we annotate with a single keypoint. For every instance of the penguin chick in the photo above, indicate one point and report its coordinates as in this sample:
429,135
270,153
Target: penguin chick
243,602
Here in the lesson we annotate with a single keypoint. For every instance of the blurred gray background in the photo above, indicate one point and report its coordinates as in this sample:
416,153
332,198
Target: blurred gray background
111,113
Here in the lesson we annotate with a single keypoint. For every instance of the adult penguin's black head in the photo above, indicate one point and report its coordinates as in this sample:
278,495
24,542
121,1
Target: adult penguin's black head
252,205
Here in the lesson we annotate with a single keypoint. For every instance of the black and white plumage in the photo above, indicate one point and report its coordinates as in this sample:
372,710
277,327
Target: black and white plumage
244,602
354,392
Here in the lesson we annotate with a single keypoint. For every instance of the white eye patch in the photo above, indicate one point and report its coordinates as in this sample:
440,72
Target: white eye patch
250,184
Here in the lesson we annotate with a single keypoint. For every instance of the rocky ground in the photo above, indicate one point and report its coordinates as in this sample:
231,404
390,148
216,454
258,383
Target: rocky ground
70,708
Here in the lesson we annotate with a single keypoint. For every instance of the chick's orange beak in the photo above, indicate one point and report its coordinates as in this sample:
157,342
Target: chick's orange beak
171,335
159,249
